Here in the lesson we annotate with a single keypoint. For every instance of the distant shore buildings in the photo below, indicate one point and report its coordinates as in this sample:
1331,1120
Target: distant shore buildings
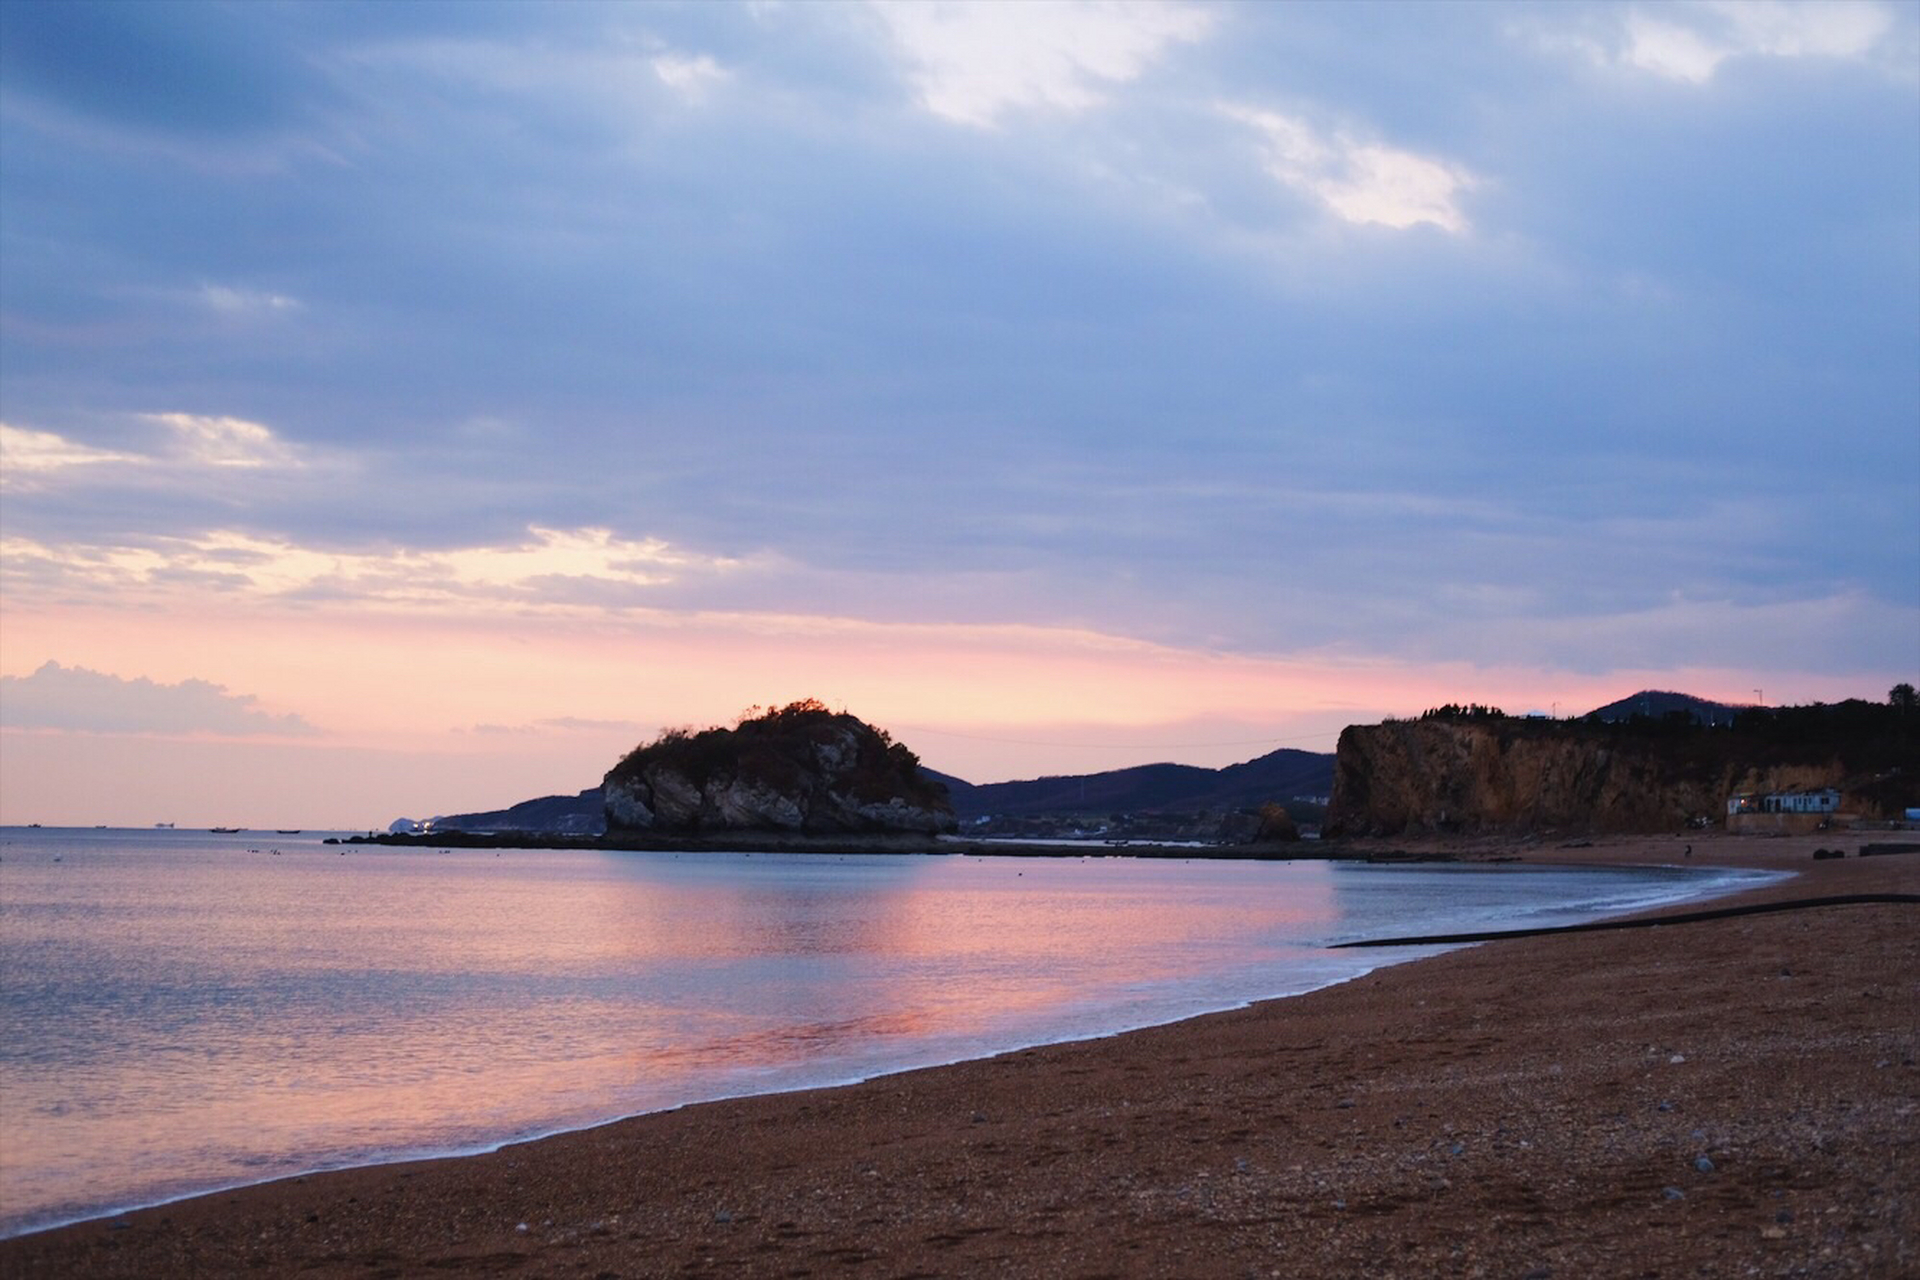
1792,812
1820,800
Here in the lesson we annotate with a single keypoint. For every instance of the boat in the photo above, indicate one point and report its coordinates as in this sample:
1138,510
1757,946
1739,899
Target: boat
224,831
285,831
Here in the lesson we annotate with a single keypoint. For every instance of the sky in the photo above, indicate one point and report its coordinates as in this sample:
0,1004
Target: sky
407,409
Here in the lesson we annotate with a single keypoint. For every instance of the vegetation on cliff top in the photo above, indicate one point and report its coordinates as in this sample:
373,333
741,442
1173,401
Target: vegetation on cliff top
1865,734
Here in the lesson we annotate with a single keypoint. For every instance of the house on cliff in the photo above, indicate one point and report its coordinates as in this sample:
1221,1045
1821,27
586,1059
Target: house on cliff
1821,800
1794,812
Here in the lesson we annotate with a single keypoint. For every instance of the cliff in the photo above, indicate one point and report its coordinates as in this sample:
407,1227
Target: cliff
1499,774
800,769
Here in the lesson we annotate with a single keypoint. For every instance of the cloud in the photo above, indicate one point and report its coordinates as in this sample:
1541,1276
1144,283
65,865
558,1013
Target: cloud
1848,628
975,61
230,301
508,328
224,442
187,442
560,724
1690,42
26,453
559,568
692,76
586,725
206,72
75,698
1361,182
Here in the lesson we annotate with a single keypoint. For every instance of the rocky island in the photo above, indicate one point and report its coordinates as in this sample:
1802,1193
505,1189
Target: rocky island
800,769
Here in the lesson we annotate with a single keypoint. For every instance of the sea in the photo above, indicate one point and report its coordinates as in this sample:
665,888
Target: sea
185,1011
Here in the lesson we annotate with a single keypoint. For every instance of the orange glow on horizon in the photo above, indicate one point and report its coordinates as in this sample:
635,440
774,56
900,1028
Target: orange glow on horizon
540,704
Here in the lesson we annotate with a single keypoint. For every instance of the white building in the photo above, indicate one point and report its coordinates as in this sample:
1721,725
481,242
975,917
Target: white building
1823,800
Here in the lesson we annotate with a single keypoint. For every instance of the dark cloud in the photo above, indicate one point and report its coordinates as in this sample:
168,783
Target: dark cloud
1102,367
159,67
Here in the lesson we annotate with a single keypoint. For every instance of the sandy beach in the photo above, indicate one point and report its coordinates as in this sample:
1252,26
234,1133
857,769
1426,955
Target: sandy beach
1726,1098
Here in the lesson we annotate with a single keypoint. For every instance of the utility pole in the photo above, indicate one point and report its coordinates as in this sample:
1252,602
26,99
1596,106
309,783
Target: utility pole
1759,698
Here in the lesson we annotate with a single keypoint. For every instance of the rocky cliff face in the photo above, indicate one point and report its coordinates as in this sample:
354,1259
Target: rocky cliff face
1421,776
799,769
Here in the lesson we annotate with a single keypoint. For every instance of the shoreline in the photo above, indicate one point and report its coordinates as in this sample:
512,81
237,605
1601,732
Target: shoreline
487,1146
840,845
454,1192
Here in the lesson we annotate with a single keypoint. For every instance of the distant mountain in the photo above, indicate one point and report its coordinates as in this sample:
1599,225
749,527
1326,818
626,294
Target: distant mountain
1278,776
583,814
1655,704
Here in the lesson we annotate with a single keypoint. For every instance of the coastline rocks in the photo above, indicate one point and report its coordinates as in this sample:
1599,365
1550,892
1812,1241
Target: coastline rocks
626,807
799,769
743,804
676,798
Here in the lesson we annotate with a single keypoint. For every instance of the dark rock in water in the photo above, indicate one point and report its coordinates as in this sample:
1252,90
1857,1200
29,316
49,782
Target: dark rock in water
800,769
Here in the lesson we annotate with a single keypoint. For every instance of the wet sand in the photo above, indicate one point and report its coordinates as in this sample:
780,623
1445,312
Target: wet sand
1724,1098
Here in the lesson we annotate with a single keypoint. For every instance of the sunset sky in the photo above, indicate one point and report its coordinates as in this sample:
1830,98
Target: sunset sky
409,408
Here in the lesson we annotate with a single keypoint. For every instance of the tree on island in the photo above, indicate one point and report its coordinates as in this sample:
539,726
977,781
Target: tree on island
1467,711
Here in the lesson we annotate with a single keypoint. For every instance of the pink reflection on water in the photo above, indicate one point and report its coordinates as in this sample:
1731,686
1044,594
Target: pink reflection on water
233,1016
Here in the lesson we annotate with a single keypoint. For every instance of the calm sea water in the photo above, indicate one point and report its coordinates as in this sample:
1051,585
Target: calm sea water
181,1011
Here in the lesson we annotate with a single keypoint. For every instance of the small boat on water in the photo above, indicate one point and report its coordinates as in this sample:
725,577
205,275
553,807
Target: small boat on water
223,831
288,832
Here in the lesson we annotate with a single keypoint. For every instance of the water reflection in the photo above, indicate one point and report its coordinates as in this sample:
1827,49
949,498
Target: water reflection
178,1015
